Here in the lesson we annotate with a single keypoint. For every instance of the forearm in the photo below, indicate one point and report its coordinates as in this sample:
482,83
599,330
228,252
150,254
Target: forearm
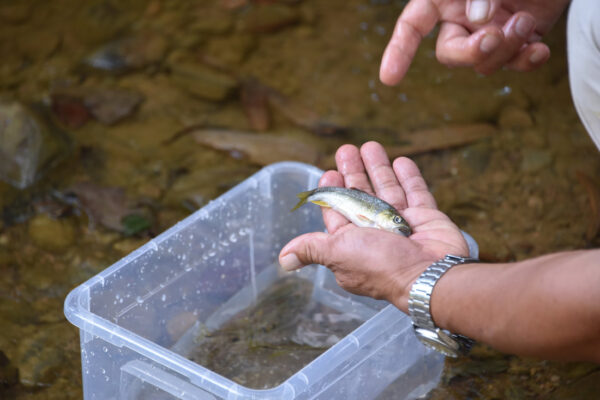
547,306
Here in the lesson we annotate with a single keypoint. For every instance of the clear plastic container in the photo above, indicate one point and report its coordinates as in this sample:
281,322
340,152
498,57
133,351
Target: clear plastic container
139,320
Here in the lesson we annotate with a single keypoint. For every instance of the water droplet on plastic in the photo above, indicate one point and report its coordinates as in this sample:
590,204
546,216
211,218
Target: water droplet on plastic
233,238
139,299
105,349
222,263
163,297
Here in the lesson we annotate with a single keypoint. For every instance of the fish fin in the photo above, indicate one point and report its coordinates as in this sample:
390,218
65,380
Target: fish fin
321,203
303,198
363,218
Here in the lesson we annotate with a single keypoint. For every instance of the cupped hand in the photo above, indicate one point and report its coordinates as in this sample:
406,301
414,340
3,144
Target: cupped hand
373,262
483,34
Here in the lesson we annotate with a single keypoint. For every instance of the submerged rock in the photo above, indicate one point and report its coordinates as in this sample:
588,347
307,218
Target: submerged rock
9,375
202,81
535,159
270,18
41,355
133,52
512,117
29,144
51,234
110,105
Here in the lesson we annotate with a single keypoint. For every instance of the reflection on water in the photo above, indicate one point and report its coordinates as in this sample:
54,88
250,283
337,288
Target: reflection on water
97,90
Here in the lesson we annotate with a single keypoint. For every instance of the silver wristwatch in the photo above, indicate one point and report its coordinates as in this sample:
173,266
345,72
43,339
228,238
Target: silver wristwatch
429,334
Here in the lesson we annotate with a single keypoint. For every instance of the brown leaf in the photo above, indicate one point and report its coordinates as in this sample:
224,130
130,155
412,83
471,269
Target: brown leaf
432,140
103,205
261,149
442,138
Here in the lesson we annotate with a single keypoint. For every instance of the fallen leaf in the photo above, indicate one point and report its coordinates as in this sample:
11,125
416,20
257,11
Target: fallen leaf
261,149
432,140
107,206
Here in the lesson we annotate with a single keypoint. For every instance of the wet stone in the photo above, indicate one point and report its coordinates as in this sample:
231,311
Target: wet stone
133,52
29,144
9,374
54,235
41,355
477,157
587,387
535,160
230,50
212,22
269,18
512,117
202,81
111,105
15,12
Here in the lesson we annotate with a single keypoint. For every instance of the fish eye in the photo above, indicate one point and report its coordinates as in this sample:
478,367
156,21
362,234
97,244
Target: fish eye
397,220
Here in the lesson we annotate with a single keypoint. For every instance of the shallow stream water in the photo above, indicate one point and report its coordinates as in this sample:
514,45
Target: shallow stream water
130,97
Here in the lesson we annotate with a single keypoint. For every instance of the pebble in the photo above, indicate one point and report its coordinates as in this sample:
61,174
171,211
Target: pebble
512,117
15,12
41,354
230,50
9,374
54,235
30,144
111,105
269,18
215,22
535,160
202,81
133,52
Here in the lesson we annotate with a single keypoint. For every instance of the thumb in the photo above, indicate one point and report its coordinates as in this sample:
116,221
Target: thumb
311,248
481,11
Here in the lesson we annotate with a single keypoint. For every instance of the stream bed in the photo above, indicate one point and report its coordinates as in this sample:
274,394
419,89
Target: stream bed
125,117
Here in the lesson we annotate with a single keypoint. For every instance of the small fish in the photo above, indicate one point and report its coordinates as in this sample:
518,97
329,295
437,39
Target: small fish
359,207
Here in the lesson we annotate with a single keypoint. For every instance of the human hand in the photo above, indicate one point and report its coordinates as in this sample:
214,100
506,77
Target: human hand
373,262
483,34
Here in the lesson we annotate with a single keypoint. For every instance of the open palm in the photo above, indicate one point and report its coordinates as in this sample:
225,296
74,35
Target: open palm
370,261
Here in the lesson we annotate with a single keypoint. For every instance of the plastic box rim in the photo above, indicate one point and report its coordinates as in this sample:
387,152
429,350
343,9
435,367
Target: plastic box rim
77,312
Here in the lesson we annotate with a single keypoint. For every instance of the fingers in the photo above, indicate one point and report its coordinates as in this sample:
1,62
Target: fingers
310,248
457,47
481,11
350,165
530,58
517,31
409,176
417,19
382,175
333,220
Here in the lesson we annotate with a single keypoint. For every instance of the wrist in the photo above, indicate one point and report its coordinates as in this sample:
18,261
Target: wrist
405,280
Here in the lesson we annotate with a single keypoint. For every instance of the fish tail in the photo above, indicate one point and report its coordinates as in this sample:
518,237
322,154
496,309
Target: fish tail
303,199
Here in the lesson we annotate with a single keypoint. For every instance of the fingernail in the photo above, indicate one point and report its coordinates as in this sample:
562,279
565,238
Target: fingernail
524,26
290,262
478,10
537,56
489,43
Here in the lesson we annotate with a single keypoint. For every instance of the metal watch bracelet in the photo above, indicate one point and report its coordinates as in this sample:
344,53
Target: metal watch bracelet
419,303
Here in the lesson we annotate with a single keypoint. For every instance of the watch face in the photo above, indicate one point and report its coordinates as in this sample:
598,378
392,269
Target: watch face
433,340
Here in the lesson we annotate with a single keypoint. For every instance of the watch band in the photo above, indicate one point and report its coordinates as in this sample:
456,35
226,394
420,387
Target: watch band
419,309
